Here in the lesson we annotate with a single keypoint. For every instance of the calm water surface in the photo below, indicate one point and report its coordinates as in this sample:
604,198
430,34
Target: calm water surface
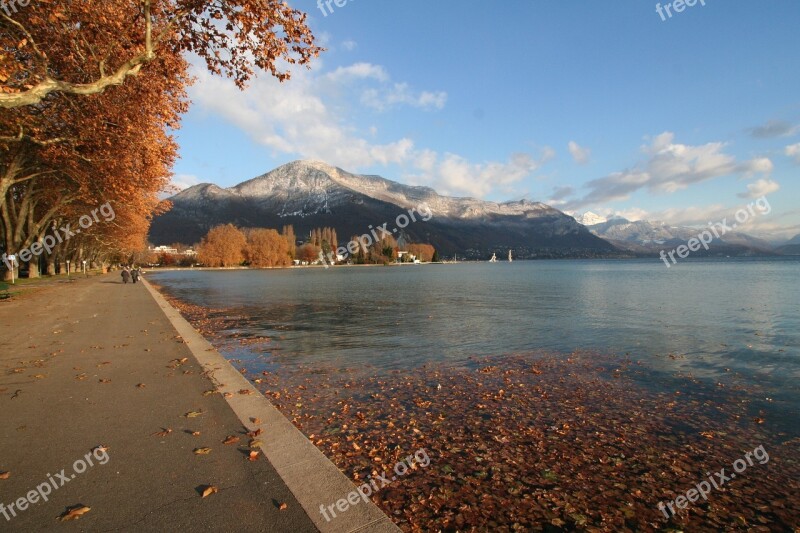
705,318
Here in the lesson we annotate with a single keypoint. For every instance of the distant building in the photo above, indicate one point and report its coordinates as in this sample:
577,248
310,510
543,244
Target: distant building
163,250
158,250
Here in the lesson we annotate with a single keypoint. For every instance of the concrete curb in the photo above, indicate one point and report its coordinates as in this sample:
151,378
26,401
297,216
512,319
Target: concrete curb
311,477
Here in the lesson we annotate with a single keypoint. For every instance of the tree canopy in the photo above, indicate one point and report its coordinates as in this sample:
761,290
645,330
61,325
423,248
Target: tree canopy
82,47
92,92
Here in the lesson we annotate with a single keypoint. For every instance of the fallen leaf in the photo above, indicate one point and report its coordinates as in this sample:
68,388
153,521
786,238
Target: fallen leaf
209,490
5,475
195,433
105,381
231,439
140,386
74,513
253,456
202,451
283,506
245,391
255,420
193,414
164,433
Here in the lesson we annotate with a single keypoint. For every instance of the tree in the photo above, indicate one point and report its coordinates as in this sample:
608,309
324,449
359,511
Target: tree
84,47
112,147
223,246
308,252
267,248
291,240
423,252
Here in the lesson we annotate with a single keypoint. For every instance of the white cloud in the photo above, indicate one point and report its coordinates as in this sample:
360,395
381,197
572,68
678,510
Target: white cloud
294,118
760,188
349,45
385,98
453,174
670,167
793,151
307,117
183,181
358,71
579,154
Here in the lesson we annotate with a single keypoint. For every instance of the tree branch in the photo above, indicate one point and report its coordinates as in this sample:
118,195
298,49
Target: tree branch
131,67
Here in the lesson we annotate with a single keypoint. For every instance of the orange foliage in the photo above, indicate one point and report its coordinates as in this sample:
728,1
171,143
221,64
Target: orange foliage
223,246
423,252
267,248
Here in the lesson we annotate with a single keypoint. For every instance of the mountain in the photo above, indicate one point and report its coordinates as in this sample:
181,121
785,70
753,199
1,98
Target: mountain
644,236
310,194
590,219
792,247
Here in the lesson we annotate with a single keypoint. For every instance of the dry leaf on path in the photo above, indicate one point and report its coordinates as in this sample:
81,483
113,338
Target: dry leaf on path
209,490
164,433
74,513
231,439
283,506
5,475
193,414
202,451
253,456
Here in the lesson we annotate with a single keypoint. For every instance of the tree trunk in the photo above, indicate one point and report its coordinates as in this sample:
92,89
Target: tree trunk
33,268
51,266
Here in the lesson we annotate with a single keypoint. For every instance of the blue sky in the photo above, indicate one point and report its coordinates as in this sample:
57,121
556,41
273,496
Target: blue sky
599,106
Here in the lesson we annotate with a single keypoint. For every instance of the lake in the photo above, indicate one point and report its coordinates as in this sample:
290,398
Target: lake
624,376
741,315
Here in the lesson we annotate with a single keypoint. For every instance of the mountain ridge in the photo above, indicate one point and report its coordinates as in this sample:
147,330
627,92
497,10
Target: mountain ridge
314,194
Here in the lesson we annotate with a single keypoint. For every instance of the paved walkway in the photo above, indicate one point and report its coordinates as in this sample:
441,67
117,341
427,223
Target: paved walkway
95,362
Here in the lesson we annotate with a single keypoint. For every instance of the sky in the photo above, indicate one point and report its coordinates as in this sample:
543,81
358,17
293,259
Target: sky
608,107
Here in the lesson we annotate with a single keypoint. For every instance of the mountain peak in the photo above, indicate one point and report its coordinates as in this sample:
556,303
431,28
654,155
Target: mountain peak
590,219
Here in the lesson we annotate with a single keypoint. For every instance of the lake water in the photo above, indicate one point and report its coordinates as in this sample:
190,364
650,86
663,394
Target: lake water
706,318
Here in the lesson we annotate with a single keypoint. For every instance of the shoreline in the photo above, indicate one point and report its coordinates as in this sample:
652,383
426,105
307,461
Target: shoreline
548,427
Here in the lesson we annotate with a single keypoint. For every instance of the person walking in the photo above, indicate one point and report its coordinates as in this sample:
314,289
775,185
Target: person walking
135,274
126,275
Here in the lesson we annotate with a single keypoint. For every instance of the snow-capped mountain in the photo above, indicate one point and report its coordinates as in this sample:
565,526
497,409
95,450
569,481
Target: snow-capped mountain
647,235
309,194
590,219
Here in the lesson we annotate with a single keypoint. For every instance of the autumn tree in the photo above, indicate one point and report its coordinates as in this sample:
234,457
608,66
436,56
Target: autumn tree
291,240
223,246
108,149
308,252
68,145
423,252
267,248
84,47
